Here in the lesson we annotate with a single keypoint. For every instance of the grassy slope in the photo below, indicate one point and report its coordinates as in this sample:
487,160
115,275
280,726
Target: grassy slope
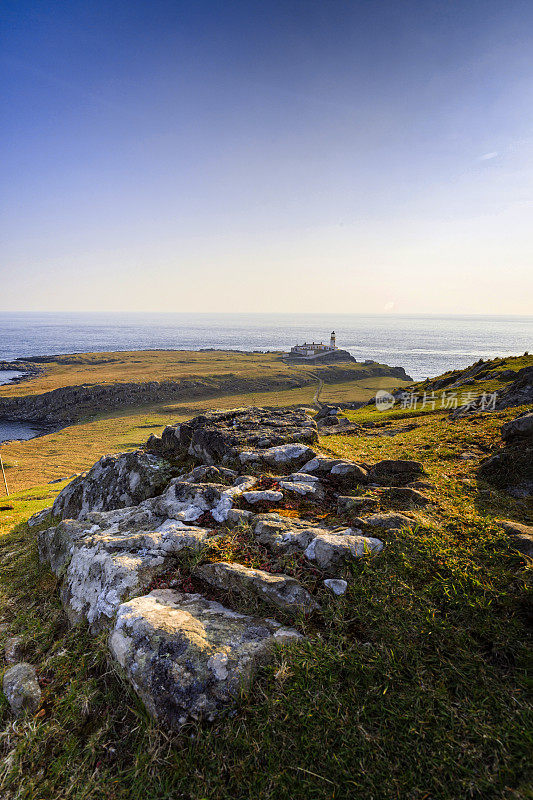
412,686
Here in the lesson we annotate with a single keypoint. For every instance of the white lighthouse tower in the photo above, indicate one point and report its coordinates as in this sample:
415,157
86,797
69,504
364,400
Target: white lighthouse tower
332,341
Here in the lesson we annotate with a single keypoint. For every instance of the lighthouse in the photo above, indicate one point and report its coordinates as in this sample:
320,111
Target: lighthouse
332,341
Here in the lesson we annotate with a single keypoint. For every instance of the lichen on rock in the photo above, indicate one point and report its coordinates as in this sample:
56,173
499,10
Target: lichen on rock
188,657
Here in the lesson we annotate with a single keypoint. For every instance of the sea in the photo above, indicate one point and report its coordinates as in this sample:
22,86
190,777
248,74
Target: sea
425,345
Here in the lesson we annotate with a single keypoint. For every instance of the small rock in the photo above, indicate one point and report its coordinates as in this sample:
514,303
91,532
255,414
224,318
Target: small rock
338,471
329,549
305,489
281,591
287,455
337,585
389,521
13,649
21,688
396,472
301,477
265,496
237,516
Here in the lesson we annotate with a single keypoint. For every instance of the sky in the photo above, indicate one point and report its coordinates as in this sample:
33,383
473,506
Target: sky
284,155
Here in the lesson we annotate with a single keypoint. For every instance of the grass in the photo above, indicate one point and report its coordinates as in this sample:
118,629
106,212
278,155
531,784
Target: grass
413,686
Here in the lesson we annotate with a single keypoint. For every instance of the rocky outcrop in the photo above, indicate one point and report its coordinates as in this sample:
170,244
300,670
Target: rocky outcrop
324,545
511,468
519,392
114,482
188,657
224,436
136,528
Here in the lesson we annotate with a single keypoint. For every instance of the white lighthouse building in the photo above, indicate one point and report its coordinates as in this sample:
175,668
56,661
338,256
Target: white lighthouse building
308,350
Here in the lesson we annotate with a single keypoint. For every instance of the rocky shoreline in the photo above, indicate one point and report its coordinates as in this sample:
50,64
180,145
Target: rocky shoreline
27,369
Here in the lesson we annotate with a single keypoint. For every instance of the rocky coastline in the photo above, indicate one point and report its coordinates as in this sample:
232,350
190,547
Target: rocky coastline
67,405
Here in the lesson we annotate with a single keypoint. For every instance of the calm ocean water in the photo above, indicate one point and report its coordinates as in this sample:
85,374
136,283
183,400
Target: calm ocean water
423,345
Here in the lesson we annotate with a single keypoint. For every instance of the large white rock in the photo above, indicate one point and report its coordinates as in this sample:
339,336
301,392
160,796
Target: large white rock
188,657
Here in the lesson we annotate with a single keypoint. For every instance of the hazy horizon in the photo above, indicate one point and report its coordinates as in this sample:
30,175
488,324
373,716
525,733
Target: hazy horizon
256,158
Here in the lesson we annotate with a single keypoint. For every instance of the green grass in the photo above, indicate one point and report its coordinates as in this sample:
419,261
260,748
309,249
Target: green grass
413,686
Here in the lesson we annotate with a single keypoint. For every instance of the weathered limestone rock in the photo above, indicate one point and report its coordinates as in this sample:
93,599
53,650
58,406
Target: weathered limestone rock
307,489
289,456
110,557
340,473
188,501
320,466
218,437
396,472
114,482
329,549
280,533
13,648
188,657
56,544
21,688
207,473
325,546
263,496
279,590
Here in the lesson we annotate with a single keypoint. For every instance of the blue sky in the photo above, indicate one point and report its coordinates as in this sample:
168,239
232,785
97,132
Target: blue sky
267,156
